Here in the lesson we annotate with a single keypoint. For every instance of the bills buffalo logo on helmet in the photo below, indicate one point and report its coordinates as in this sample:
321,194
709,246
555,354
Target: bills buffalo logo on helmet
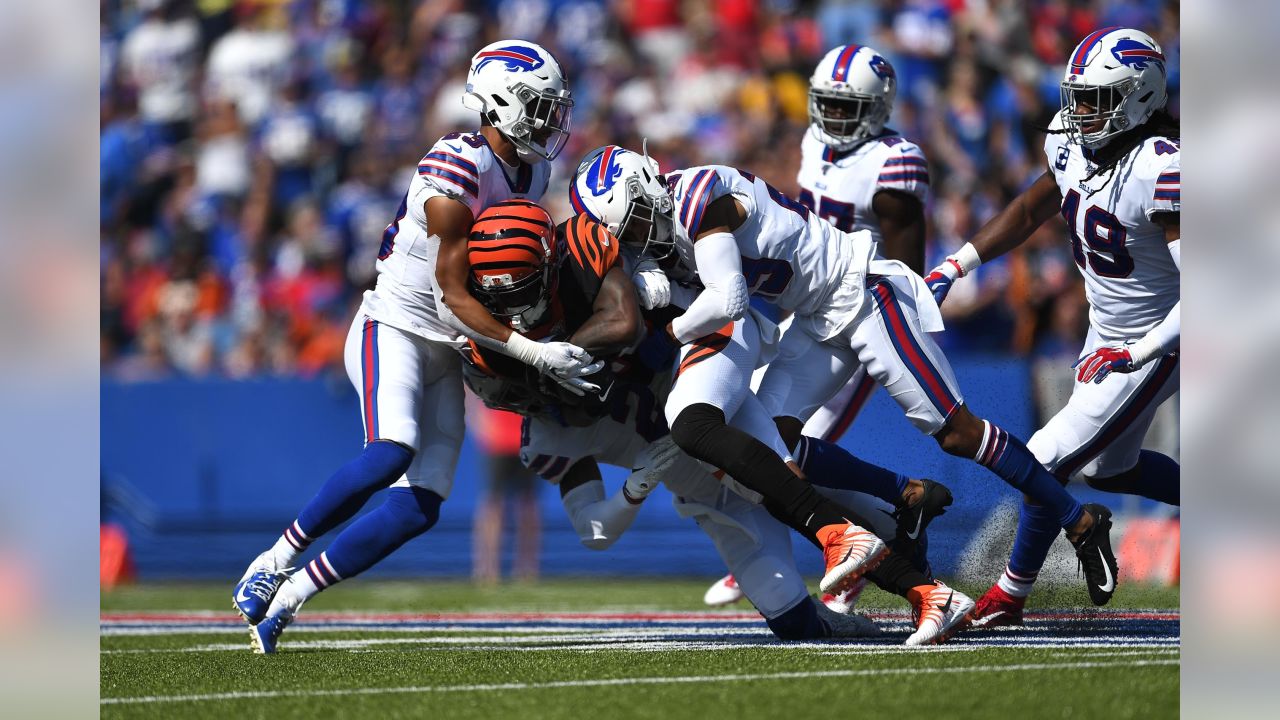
882,68
605,171
516,58
1135,54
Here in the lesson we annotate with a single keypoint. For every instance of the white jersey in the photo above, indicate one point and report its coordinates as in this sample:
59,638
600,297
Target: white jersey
1131,281
459,166
840,187
790,256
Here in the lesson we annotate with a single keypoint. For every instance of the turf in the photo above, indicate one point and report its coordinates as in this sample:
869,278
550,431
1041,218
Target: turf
554,655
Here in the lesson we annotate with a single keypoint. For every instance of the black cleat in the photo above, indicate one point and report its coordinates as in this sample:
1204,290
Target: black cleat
913,520
1096,558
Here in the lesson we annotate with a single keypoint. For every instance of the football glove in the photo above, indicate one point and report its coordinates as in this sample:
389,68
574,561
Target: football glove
942,277
652,285
650,465
1097,365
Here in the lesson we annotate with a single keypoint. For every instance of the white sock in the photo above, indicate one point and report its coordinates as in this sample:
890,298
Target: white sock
291,543
1014,585
303,584
296,590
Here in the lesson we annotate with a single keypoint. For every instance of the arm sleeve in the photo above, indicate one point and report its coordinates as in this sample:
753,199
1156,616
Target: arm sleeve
724,298
1161,340
905,170
1165,337
593,252
599,521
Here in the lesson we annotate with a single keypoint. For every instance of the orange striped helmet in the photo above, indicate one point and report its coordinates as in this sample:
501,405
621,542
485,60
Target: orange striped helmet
511,251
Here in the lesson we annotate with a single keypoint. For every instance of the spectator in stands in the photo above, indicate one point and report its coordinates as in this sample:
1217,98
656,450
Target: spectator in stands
301,104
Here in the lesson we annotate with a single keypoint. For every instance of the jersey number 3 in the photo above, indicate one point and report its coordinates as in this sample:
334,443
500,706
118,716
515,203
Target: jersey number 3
1105,236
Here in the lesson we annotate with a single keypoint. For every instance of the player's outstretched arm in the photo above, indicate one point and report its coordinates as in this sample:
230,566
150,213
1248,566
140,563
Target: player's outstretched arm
902,224
724,299
1014,225
1160,341
615,323
1007,230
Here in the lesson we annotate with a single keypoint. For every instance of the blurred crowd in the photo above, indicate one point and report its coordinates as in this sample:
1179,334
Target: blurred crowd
253,151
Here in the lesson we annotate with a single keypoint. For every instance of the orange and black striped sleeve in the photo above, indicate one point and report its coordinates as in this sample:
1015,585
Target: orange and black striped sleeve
591,246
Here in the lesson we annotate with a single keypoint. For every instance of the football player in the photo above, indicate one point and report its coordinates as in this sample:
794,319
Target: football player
860,175
743,237
723,342
401,349
588,299
1114,175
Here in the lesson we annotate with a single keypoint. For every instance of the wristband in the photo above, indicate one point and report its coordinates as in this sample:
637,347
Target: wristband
523,349
967,259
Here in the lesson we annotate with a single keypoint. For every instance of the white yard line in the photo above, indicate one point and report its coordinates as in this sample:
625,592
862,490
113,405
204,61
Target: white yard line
256,695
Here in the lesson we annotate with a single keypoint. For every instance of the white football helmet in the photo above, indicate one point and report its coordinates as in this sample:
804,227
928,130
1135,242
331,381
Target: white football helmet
1114,80
520,89
851,96
626,192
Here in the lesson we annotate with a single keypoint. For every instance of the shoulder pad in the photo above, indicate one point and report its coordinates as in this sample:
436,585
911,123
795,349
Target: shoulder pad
697,188
456,162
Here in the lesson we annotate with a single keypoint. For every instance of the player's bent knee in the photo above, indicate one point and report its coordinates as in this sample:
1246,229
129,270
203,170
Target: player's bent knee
382,463
1122,483
693,426
790,429
413,510
961,434
799,623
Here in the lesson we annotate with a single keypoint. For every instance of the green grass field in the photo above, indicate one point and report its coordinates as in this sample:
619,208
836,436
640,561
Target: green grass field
613,648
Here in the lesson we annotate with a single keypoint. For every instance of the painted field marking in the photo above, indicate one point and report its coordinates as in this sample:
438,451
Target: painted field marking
915,671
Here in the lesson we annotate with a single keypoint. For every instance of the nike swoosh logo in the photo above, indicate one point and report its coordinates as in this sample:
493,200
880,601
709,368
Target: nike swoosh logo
919,522
985,620
1110,584
455,148
637,469
240,596
947,607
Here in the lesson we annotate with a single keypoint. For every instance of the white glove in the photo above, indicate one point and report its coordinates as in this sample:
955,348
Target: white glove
566,363
652,285
566,360
650,465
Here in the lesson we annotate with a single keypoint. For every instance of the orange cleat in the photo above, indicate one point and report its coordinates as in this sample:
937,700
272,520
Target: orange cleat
850,551
939,612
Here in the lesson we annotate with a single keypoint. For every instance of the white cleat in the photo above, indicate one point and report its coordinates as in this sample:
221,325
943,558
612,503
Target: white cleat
843,602
725,591
852,625
942,613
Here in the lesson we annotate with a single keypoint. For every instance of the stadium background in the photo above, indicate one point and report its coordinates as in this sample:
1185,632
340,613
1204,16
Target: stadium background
253,152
